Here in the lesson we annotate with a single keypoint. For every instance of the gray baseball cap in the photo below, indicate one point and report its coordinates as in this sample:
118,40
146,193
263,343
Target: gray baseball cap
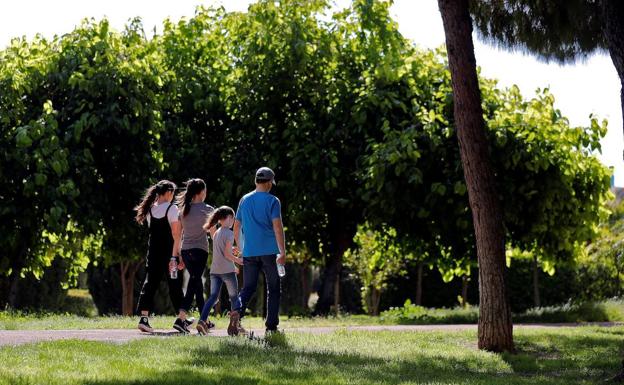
265,173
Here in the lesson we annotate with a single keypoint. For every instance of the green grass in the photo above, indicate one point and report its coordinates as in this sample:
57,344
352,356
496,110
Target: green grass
584,355
611,310
605,311
13,320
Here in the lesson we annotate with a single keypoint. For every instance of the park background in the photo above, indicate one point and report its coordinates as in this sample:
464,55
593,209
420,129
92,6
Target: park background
357,123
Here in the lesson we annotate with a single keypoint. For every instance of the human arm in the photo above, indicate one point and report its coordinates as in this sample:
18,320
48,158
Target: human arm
237,226
229,255
176,232
278,229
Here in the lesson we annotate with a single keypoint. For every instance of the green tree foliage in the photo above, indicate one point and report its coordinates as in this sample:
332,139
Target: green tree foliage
378,255
551,185
357,123
602,266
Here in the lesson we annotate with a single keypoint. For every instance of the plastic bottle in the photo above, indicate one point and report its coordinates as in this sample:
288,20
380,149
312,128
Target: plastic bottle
281,269
173,271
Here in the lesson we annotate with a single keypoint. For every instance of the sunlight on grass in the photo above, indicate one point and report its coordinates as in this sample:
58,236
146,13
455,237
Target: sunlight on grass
546,356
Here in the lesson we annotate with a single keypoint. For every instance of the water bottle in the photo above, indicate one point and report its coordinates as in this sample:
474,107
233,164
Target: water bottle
173,271
281,269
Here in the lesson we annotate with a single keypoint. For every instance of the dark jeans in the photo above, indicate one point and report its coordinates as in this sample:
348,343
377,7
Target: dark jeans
216,281
195,261
157,266
251,270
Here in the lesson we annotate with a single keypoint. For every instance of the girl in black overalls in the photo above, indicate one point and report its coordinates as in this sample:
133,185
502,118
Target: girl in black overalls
164,242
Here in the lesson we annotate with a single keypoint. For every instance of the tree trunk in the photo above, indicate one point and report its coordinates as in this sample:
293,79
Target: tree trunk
13,290
536,292
464,292
495,326
618,282
419,281
305,285
329,293
16,265
128,273
375,299
613,14
336,305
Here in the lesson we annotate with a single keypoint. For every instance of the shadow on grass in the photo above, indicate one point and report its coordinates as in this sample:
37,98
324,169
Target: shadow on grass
590,358
238,361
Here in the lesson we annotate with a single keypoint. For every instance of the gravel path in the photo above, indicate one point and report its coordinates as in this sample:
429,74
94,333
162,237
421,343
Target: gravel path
18,337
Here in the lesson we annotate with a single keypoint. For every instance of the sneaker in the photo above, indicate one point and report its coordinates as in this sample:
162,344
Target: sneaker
180,325
144,325
189,322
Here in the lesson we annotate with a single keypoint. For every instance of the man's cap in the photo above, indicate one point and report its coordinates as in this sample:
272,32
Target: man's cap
265,173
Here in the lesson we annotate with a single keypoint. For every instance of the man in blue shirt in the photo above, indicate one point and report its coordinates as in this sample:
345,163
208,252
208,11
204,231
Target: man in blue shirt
260,218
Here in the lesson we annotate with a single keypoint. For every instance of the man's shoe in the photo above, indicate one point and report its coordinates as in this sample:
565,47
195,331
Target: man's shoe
204,327
180,325
234,326
144,325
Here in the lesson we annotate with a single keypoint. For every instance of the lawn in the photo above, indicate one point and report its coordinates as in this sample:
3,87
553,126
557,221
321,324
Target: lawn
26,321
604,311
585,355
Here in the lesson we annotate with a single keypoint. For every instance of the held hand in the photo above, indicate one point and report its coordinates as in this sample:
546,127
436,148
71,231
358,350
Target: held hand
181,264
281,259
239,261
235,251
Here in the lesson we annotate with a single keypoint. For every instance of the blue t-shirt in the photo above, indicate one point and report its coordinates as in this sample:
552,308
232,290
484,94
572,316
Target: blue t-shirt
256,212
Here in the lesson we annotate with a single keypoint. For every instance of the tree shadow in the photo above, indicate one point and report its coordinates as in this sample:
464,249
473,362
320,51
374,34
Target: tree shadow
591,357
555,359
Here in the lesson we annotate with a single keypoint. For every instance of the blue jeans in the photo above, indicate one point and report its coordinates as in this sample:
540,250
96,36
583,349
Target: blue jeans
216,281
251,270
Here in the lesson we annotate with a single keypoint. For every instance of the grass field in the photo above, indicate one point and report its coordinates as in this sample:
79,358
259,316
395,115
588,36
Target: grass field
605,311
25,321
586,355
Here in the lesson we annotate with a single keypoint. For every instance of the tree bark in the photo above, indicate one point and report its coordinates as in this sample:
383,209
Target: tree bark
419,281
305,285
613,15
536,292
464,292
329,293
128,273
16,265
495,328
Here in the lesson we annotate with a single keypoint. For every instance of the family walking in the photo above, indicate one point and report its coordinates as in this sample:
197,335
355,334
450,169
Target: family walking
178,239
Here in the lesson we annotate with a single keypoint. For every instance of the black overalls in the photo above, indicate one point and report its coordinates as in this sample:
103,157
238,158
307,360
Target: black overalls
157,264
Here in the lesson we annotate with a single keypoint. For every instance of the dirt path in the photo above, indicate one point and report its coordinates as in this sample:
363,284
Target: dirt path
18,337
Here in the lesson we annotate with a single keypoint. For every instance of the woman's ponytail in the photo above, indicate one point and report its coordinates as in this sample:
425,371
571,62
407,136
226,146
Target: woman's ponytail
149,198
193,187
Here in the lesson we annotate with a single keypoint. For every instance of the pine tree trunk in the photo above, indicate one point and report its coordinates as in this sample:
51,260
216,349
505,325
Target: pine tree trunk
613,14
536,292
419,281
495,326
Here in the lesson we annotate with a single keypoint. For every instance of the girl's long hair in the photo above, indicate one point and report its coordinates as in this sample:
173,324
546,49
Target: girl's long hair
217,215
149,198
193,187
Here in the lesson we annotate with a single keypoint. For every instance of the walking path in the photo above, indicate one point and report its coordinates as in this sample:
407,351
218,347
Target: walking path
18,337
